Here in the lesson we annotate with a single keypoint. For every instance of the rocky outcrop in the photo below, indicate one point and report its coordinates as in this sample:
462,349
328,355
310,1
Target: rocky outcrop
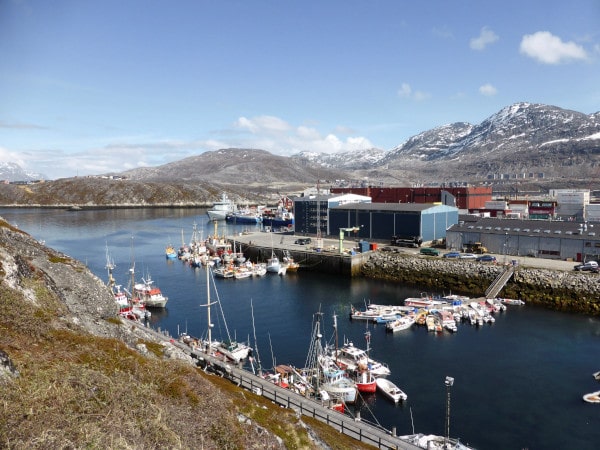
560,290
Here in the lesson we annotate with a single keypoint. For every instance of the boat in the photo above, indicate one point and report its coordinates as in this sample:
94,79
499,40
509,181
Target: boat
425,302
230,348
592,397
259,269
275,266
402,323
351,358
289,263
128,308
434,442
511,301
221,208
596,375
379,313
242,216
150,294
390,390
323,373
365,381
170,252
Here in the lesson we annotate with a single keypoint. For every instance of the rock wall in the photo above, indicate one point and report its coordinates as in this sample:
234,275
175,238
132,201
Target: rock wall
554,289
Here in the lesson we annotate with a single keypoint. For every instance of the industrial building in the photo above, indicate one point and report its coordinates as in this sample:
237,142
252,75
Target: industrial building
373,221
564,240
463,197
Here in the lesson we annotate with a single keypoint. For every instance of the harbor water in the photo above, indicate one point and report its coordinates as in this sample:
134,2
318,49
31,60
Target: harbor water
518,382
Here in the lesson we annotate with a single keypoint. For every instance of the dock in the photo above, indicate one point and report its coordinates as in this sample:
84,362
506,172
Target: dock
258,246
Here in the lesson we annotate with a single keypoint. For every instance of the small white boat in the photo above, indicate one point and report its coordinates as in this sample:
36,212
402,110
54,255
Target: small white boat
390,390
511,301
596,375
402,323
592,397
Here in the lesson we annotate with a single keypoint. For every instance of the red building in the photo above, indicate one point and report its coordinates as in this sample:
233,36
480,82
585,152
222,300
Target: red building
466,197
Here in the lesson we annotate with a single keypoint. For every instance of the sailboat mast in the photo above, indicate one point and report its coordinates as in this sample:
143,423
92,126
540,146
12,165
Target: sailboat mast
209,334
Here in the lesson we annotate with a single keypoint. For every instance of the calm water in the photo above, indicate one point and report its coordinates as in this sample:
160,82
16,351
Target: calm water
518,383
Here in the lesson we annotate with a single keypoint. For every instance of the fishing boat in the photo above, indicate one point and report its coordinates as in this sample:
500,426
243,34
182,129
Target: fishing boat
221,208
365,381
275,266
352,358
323,372
150,294
230,348
170,252
243,216
289,263
390,390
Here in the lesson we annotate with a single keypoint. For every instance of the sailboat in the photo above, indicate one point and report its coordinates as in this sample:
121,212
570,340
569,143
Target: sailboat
328,379
233,350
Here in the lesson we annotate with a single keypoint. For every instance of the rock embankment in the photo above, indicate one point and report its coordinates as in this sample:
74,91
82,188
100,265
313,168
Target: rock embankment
555,289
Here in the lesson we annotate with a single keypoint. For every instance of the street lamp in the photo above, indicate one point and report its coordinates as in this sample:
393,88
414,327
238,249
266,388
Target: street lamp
449,382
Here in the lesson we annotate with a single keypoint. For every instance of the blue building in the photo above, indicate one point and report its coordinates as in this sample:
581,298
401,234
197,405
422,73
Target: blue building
381,221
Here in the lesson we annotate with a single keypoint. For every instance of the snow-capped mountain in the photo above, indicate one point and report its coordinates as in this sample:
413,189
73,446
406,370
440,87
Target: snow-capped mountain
355,160
520,138
13,172
523,137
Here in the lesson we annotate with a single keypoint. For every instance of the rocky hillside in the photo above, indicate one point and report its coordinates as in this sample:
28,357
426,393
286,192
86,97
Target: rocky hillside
73,375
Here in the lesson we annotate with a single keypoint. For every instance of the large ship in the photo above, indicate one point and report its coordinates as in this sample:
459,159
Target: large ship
221,208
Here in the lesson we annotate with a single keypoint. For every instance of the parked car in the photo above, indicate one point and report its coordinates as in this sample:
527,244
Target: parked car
590,265
302,241
486,258
467,256
452,255
428,251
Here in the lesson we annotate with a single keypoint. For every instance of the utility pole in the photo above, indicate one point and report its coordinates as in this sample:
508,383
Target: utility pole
449,383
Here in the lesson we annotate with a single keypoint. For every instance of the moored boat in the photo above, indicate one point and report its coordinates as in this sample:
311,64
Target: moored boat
351,358
511,301
221,208
390,390
402,323
150,294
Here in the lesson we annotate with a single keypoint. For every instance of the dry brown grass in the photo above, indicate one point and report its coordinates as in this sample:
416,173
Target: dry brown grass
75,390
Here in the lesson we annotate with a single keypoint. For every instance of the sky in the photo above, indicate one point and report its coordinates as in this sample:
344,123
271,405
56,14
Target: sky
90,87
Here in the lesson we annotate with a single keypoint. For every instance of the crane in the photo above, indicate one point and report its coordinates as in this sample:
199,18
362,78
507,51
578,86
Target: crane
342,235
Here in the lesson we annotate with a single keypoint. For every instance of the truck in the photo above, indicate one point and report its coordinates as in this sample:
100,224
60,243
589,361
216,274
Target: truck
407,241
475,247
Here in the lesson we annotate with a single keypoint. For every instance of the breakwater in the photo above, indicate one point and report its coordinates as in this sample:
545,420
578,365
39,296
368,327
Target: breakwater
554,289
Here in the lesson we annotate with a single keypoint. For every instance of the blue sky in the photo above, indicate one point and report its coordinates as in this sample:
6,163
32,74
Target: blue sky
89,87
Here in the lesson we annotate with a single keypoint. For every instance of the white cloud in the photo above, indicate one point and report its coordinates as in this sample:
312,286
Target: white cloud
488,90
9,156
263,124
546,48
406,91
486,36
279,137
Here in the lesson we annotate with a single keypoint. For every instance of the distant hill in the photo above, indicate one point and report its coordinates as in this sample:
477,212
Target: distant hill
525,144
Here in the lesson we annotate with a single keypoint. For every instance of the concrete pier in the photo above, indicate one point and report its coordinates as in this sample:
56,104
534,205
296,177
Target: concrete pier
259,246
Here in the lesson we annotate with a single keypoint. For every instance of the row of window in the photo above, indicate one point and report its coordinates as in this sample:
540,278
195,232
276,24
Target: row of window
528,230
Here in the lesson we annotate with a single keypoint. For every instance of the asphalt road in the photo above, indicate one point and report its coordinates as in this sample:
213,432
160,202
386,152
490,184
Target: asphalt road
281,241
